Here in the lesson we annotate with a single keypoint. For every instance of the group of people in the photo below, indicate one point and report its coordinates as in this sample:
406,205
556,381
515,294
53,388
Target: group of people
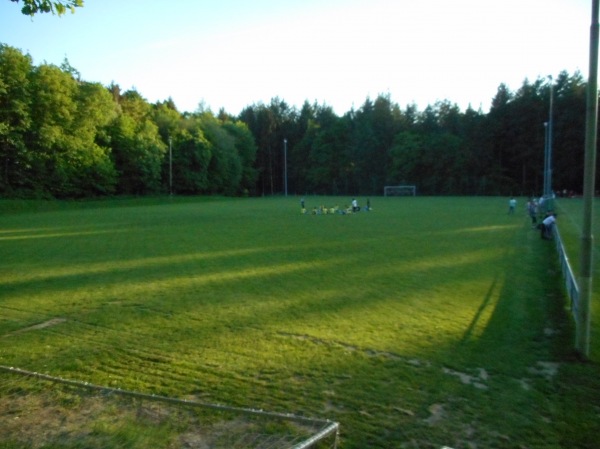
323,210
534,207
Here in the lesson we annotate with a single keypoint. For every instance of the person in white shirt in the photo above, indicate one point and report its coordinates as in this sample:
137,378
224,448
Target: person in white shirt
512,204
547,225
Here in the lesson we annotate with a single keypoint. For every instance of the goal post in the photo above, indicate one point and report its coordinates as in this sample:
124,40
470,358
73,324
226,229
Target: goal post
404,190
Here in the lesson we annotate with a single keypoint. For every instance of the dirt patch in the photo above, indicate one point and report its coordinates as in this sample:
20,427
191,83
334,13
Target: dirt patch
45,324
353,348
37,419
545,369
52,322
467,379
436,414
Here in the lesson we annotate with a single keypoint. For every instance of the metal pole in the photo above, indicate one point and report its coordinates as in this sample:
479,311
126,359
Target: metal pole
545,188
582,342
285,165
170,166
550,199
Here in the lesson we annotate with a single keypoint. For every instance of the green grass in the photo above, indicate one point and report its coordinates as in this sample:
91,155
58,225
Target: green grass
426,322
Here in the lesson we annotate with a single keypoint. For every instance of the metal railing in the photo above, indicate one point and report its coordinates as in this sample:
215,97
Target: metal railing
570,281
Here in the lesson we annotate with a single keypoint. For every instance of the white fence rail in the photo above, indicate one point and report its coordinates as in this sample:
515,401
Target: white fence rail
570,281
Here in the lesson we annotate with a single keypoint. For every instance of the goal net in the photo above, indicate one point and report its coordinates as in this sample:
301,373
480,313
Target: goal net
400,191
39,410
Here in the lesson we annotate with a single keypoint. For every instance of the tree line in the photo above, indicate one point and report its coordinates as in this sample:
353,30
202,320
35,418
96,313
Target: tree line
63,137
442,150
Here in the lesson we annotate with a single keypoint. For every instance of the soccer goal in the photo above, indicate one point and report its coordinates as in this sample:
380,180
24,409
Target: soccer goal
400,191
54,403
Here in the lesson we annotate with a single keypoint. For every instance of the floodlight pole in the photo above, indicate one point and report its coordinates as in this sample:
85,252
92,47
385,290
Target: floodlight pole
545,188
170,166
548,192
582,341
285,165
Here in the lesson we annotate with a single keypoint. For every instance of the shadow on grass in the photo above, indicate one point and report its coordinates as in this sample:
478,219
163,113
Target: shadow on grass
528,344
309,329
484,305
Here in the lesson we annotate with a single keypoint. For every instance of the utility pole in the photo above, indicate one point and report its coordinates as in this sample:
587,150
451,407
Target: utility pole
170,166
550,126
545,188
285,164
582,342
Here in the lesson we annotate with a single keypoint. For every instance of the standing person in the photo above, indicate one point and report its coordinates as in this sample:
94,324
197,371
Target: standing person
368,205
547,226
532,210
302,208
355,207
512,204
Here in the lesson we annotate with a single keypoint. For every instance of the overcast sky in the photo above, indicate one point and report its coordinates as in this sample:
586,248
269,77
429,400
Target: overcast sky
233,53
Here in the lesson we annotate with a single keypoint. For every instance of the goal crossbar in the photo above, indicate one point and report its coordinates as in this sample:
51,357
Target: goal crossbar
402,190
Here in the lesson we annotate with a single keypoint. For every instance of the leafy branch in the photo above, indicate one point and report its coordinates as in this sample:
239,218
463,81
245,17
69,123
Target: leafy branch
33,7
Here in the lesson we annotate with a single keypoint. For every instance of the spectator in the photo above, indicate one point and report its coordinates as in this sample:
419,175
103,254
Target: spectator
512,204
532,210
547,226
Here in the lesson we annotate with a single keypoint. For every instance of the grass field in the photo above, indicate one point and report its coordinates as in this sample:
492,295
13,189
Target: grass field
425,322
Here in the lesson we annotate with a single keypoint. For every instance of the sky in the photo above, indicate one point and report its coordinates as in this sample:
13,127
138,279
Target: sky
230,54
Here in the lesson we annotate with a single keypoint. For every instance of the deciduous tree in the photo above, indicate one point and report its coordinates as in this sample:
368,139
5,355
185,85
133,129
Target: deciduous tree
137,148
15,118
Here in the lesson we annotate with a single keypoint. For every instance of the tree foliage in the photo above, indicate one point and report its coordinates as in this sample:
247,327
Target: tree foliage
64,158
137,148
15,118
61,136
67,138
442,150
33,7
